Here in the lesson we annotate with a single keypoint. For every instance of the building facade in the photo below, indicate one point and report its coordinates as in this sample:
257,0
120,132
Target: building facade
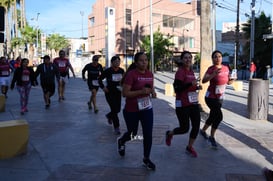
132,23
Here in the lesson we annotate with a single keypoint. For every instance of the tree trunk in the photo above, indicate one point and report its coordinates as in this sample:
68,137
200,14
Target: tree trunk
23,14
7,32
15,21
258,99
206,47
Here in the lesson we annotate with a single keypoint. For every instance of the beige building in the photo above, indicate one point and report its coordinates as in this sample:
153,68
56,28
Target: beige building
132,23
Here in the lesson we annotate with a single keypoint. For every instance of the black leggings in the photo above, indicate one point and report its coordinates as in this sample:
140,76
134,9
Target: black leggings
113,99
215,115
185,115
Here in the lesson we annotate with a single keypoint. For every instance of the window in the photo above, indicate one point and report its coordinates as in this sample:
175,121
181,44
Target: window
191,42
128,16
165,21
177,22
92,21
156,15
129,38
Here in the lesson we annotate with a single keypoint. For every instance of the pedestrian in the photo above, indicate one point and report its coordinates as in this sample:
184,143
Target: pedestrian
112,91
17,62
218,77
138,88
47,71
94,70
63,65
252,70
5,71
187,107
24,77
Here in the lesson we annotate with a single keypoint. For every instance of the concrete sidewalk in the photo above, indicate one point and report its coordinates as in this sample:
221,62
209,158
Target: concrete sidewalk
70,142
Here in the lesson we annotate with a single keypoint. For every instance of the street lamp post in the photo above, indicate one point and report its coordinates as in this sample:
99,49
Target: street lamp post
82,13
184,38
37,35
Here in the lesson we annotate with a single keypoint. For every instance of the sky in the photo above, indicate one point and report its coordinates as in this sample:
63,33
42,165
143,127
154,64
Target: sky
64,16
60,16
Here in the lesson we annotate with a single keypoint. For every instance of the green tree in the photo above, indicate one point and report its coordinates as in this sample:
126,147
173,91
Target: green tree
56,42
262,49
162,46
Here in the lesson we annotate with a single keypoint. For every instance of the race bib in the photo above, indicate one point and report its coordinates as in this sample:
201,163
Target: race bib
144,103
116,77
61,64
193,97
220,89
95,82
25,78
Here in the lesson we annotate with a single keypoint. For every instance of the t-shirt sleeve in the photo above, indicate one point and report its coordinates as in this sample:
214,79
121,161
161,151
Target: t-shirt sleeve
129,78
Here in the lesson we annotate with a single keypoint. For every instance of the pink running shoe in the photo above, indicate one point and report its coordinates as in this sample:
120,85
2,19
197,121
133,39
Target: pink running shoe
191,151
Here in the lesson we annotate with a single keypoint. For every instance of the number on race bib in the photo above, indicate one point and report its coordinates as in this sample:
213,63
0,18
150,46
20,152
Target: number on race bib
144,103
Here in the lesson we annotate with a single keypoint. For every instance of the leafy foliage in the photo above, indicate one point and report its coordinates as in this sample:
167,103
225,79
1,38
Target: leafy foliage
262,49
56,42
162,45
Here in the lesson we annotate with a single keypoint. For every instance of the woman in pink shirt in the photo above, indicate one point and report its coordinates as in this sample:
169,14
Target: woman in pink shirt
138,89
218,76
186,103
24,78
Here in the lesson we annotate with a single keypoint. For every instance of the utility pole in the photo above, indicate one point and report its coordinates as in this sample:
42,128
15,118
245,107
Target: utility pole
214,25
37,36
206,47
237,34
151,36
252,31
82,13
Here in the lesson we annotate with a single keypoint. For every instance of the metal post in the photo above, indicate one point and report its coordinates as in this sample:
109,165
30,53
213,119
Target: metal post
37,38
252,32
214,25
237,45
151,36
82,13
272,43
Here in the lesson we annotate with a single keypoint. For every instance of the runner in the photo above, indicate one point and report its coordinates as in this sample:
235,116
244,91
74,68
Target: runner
94,70
63,65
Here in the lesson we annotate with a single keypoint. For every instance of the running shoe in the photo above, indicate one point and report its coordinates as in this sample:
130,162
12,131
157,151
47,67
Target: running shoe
204,134
168,139
148,164
96,110
191,151
89,105
121,147
212,141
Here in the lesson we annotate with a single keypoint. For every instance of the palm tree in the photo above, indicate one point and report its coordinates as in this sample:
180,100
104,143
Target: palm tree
56,42
29,38
23,15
